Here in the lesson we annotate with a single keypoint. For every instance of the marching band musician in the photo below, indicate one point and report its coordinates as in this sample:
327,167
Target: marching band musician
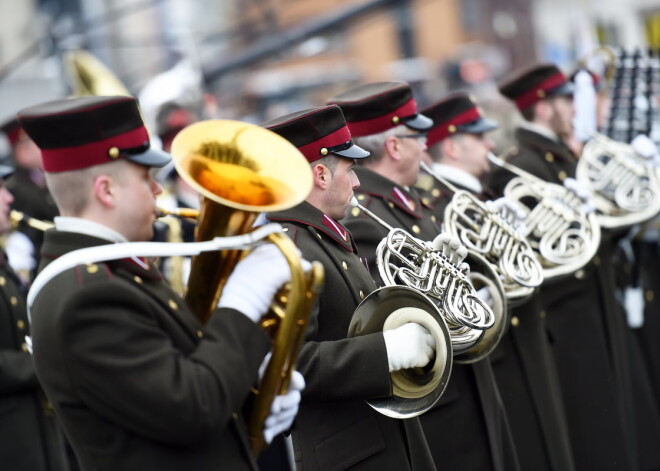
524,368
135,379
335,428
33,439
468,428
586,348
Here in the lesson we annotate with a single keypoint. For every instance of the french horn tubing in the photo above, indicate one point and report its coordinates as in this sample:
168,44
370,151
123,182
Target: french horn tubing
563,235
475,329
625,185
491,235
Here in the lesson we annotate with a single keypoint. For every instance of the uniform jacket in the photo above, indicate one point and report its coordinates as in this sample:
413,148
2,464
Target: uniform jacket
136,380
591,382
526,376
32,439
335,428
478,437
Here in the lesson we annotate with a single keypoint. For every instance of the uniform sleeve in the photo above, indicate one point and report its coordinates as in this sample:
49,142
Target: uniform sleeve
125,366
16,372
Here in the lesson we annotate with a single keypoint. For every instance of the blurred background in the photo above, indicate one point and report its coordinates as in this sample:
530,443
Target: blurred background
254,60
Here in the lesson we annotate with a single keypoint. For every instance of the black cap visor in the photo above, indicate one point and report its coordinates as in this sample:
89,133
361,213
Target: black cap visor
562,90
6,171
353,152
418,122
151,158
479,126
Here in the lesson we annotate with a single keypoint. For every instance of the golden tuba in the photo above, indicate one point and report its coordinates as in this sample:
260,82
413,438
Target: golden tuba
474,328
491,235
563,235
240,170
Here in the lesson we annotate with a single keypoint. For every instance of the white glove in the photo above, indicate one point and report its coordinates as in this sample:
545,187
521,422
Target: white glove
284,408
510,211
451,247
644,146
255,281
582,191
408,346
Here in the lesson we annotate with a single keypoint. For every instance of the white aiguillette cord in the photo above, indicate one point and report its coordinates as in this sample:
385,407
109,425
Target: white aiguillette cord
103,253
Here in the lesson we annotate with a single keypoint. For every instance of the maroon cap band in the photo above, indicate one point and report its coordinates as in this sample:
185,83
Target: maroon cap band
312,151
539,92
440,132
385,122
94,153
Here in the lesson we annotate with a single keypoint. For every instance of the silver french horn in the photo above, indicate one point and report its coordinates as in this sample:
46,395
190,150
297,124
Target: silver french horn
475,328
562,233
492,235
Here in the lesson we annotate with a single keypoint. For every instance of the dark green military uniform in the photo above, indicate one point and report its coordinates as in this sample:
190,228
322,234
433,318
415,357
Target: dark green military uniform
335,428
586,329
527,379
32,438
468,428
135,379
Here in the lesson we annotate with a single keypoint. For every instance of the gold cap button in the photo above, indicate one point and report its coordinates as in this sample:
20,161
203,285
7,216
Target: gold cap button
451,128
324,151
113,152
540,93
515,321
171,303
395,119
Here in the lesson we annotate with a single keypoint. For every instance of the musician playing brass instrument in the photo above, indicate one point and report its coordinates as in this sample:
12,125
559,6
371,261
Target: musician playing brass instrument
458,145
383,118
583,327
335,428
135,378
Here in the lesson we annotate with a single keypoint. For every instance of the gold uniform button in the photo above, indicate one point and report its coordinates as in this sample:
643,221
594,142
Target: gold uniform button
515,321
391,204
200,334
3,281
24,347
596,260
435,192
137,279
433,218
362,197
234,415
355,212
172,304
13,300
562,175
344,265
20,324
361,294
649,295
580,274
285,229
549,157
92,268
542,314
320,238
416,229
426,201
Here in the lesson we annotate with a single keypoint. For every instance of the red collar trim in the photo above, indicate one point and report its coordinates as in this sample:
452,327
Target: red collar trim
537,93
383,123
94,153
335,227
403,198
